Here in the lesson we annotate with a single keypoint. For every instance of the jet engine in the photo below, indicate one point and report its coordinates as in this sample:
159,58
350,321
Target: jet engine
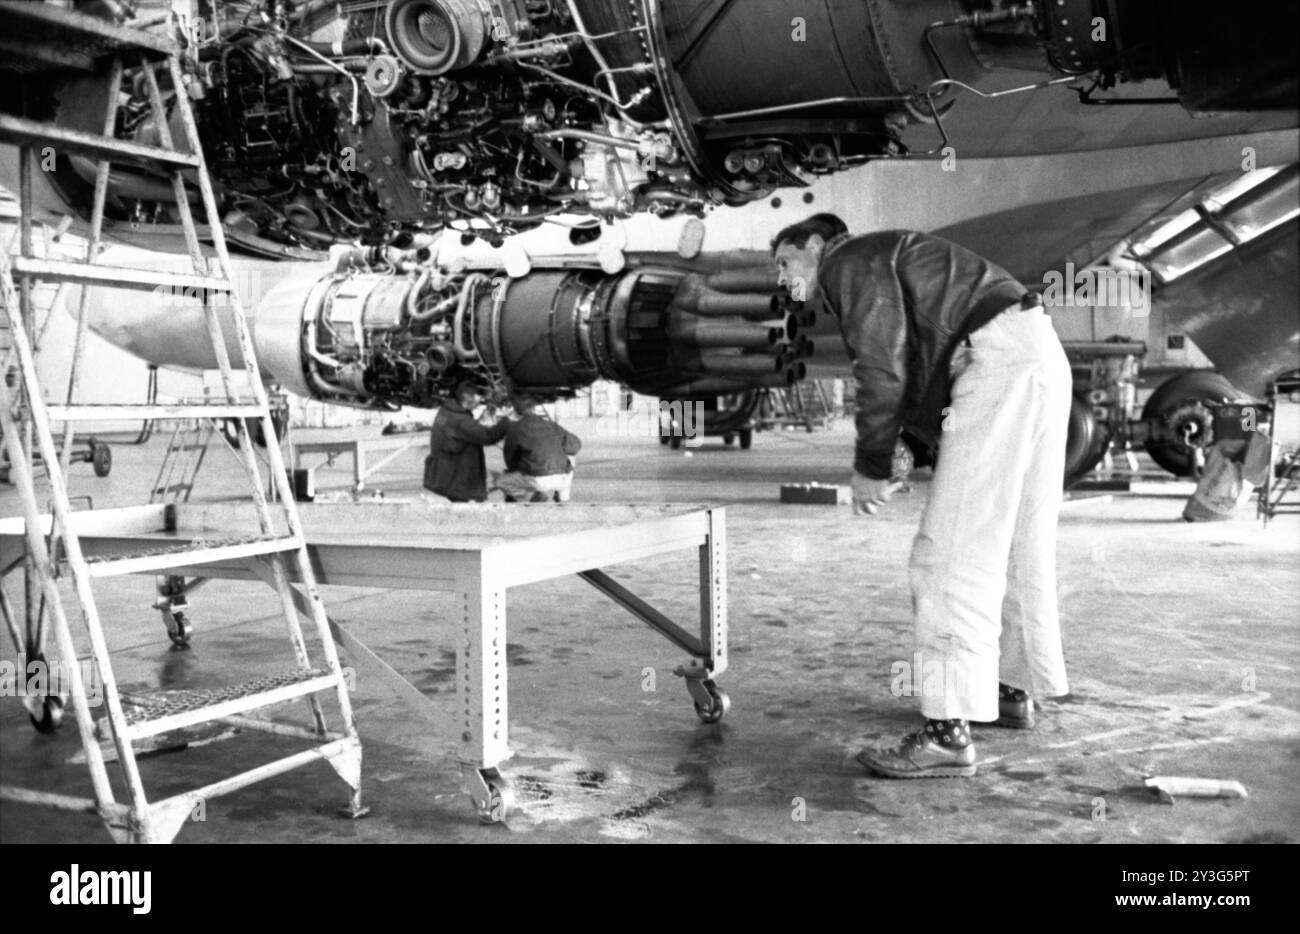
368,121
384,329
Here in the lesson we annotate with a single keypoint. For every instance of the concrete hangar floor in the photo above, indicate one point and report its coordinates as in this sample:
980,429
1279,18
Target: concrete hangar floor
1182,642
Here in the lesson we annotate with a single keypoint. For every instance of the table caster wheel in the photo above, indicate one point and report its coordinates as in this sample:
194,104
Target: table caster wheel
179,630
500,800
101,458
717,707
51,717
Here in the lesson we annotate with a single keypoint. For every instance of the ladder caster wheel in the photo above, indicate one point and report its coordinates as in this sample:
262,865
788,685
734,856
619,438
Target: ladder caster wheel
719,704
179,631
501,800
101,458
51,715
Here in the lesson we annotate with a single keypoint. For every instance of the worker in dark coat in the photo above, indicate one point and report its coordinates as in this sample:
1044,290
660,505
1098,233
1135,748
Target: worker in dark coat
538,454
455,467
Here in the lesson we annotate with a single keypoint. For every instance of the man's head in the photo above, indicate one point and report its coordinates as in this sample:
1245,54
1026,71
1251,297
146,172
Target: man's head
798,251
468,394
525,403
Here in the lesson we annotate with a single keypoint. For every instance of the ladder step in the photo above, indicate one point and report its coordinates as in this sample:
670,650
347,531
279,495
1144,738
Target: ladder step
23,132
191,553
115,276
149,715
114,413
43,35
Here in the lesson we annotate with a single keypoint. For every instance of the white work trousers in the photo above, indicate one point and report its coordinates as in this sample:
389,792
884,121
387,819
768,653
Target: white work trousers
522,486
983,567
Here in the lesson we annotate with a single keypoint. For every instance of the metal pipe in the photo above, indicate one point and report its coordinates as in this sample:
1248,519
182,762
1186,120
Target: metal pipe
752,279
658,150
356,87
723,364
738,334
802,105
604,70
750,306
701,388
471,282
782,380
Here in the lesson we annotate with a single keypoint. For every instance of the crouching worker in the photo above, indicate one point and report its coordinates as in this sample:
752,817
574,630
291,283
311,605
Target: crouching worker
455,467
953,351
538,454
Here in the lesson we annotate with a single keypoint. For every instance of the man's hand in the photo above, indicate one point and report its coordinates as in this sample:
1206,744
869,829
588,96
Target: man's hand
869,495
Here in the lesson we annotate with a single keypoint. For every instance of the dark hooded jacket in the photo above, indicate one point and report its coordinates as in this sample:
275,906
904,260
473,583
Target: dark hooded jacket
455,467
904,300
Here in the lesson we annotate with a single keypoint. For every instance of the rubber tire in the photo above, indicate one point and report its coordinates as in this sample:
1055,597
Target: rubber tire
1202,386
101,458
51,716
1086,442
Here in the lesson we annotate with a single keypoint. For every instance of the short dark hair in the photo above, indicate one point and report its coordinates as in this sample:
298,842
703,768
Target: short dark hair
825,225
524,400
466,386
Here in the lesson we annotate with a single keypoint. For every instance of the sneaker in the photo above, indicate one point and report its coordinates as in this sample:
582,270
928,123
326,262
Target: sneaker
919,756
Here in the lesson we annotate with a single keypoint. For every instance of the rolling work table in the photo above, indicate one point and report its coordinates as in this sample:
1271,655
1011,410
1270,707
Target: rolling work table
478,550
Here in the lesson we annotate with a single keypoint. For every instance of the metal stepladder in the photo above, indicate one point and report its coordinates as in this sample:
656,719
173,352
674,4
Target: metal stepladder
57,36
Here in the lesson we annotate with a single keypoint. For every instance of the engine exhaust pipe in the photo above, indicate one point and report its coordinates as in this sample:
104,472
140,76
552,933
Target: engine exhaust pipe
751,279
723,364
786,378
750,306
705,333
694,295
705,387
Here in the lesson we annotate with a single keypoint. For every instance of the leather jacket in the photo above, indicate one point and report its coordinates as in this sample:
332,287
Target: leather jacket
904,300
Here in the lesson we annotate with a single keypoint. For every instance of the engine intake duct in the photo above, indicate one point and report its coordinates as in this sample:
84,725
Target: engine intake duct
437,36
